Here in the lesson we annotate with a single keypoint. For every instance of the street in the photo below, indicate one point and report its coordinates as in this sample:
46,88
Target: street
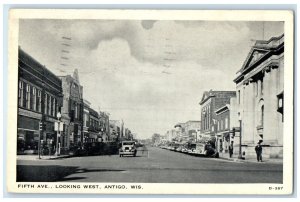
159,166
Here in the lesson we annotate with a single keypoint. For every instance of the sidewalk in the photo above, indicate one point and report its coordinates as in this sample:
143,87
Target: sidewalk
42,157
253,160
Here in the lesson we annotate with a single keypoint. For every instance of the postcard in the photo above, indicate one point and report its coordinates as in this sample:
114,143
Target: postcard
150,101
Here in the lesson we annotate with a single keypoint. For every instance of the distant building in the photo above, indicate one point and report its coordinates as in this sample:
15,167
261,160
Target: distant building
187,132
210,102
260,95
128,134
39,101
104,126
171,135
72,110
116,129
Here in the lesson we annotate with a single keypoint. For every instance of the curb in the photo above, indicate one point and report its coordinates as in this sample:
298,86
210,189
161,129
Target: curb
33,158
250,160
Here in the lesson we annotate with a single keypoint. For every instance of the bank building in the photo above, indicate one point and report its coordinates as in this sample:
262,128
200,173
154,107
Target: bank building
260,97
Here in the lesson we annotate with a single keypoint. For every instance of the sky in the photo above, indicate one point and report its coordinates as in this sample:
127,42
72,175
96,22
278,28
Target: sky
150,74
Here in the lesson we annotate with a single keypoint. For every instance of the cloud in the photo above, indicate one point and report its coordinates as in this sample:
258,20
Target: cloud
121,63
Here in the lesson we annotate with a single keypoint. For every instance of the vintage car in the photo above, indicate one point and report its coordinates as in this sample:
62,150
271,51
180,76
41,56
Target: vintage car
203,149
127,148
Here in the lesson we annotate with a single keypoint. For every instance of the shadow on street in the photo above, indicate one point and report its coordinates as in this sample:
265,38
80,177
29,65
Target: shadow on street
30,173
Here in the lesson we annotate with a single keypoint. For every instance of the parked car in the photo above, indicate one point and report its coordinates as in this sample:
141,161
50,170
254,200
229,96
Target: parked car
127,148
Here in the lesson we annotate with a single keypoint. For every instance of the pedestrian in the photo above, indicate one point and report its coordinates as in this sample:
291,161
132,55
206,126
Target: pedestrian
230,150
258,150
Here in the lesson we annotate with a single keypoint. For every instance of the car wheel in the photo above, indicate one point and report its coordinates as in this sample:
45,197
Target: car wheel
120,155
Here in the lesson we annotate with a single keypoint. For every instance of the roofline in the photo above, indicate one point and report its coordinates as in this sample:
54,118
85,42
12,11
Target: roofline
215,91
255,46
35,60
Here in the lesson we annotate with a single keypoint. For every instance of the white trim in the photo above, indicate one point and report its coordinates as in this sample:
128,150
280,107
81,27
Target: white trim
31,114
28,130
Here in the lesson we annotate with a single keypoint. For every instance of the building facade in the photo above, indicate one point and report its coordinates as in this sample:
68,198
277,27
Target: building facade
210,102
227,129
39,101
171,135
260,94
72,110
94,127
116,130
104,127
86,118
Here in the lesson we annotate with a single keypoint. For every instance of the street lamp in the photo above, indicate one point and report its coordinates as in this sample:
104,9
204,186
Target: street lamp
240,145
57,136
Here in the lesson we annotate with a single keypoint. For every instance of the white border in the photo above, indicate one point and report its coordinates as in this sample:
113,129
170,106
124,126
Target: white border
156,188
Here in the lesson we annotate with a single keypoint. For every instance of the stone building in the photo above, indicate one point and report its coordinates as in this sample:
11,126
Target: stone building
39,101
210,102
260,90
72,110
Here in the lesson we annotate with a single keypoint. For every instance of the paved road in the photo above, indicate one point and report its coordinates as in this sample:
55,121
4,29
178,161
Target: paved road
161,166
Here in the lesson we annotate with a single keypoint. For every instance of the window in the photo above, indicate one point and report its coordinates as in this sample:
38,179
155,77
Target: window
262,116
46,104
76,111
34,99
55,107
49,105
256,88
280,103
218,125
21,93
221,127
28,96
39,100
208,118
226,123
239,96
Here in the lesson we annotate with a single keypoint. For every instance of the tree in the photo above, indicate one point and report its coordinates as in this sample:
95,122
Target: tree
155,137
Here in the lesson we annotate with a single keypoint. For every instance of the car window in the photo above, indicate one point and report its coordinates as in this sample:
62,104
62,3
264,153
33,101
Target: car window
128,143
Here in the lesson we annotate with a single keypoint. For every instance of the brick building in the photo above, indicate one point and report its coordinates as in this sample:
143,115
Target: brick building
39,100
210,102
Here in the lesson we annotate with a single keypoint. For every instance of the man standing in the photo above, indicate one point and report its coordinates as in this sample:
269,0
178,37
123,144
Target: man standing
230,150
258,150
